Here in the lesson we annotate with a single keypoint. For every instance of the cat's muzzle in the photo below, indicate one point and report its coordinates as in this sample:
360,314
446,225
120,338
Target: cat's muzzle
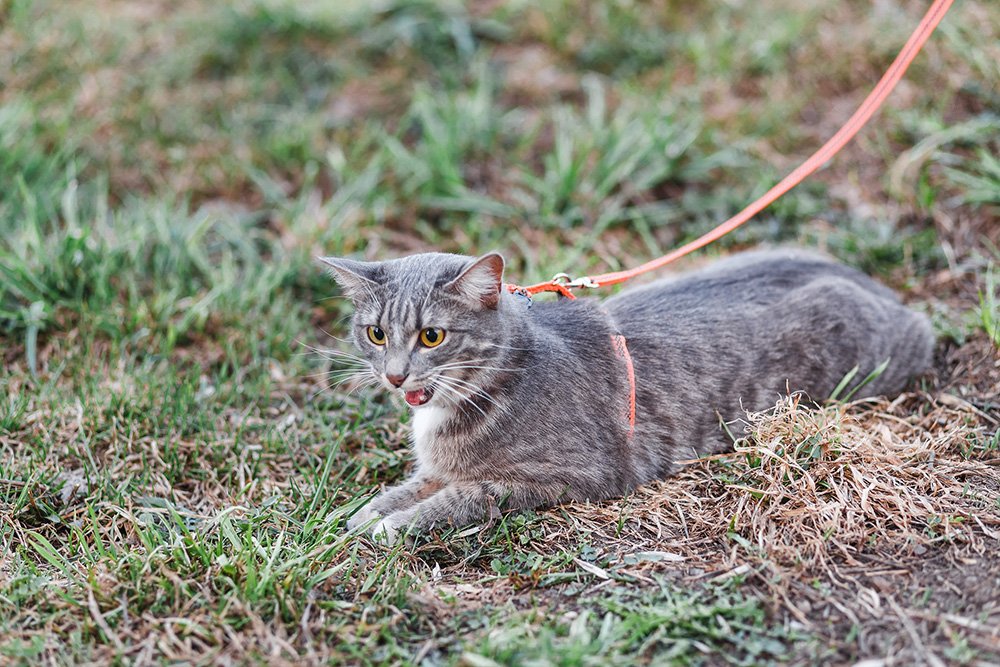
419,396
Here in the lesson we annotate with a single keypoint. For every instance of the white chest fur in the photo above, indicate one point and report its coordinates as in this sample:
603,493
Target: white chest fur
426,423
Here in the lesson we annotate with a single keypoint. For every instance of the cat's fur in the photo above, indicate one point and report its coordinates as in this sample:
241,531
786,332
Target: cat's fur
536,411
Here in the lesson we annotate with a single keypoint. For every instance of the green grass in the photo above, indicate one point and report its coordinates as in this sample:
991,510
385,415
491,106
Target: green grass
989,306
172,464
716,625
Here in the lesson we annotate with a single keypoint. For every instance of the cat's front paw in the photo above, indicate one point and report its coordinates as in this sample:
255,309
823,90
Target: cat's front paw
363,517
391,528
386,530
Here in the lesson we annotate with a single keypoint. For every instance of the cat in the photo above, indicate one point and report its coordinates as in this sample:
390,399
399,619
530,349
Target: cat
520,404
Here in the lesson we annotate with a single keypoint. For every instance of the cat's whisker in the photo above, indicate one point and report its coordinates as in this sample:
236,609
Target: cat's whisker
363,385
331,354
342,370
452,390
479,395
457,384
360,381
448,397
427,297
468,385
509,347
324,351
458,402
345,341
466,361
474,363
323,354
332,297
339,365
460,367
348,365
311,348
338,376
371,293
348,394
361,378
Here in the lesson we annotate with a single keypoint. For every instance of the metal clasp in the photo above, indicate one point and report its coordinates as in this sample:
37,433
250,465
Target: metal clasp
566,281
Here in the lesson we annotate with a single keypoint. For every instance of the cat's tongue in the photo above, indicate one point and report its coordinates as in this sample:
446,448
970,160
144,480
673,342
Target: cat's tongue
418,397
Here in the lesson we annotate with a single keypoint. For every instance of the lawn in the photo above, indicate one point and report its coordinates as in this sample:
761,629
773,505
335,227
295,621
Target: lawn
177,464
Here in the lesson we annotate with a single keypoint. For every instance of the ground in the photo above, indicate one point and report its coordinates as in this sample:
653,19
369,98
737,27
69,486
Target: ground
176,470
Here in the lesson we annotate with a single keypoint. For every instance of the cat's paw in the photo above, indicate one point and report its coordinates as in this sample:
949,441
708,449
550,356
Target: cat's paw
363,517
392,528
386,530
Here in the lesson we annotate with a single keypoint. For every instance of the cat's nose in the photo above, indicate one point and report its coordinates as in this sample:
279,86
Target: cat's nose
396,380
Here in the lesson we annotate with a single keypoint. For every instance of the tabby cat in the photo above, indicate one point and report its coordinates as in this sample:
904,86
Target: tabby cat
519,404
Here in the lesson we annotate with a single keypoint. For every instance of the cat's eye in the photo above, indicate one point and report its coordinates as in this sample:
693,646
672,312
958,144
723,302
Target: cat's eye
431,337
376,335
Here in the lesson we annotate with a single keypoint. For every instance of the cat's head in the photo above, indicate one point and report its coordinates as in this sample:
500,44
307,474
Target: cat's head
427,324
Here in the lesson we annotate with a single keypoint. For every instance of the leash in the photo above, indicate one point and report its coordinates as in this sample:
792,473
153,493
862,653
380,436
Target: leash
564,285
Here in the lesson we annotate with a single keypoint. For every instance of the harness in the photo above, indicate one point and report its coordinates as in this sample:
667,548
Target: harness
621,350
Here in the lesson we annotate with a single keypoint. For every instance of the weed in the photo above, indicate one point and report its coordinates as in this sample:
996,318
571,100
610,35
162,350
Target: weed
989,305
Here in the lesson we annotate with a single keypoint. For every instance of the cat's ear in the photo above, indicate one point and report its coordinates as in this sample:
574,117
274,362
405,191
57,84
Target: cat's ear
358,279
482,282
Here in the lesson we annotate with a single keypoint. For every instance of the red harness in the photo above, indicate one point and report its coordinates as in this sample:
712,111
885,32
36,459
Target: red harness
621,349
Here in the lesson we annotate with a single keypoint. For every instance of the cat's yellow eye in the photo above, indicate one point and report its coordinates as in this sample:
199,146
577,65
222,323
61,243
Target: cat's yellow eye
431,337
376,335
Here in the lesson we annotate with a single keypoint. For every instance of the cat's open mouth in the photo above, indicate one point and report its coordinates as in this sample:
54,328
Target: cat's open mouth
419,397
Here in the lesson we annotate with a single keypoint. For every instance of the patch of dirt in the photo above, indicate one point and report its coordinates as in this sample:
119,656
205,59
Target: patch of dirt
920,609
533,75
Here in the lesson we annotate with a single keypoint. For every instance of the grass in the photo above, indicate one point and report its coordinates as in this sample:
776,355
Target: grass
175,474
989,306
624,627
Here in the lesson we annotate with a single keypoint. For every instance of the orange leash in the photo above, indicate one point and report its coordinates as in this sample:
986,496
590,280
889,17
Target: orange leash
564,285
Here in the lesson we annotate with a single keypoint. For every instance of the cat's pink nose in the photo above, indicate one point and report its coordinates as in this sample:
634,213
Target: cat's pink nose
396,380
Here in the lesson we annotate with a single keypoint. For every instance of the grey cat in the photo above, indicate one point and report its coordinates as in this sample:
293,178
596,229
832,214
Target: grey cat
520,405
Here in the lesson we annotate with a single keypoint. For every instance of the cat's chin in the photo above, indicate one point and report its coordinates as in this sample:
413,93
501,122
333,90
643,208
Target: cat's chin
419,397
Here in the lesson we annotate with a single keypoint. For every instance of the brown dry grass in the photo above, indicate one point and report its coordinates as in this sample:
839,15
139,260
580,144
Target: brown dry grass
809,486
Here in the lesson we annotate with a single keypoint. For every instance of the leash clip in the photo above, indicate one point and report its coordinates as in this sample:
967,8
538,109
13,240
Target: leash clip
522,294
564,280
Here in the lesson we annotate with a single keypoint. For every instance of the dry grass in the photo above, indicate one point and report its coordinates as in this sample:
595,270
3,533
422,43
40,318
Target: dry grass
808,485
